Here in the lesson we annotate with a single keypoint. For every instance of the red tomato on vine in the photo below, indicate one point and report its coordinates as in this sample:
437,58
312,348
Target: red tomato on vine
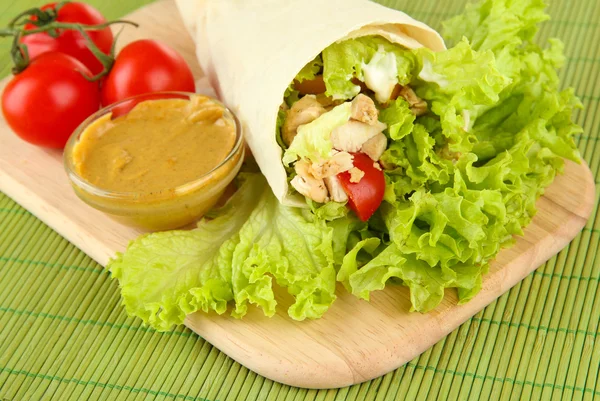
70,41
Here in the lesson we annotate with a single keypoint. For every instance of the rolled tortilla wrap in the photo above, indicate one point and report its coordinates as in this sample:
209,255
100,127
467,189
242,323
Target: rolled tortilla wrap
252,49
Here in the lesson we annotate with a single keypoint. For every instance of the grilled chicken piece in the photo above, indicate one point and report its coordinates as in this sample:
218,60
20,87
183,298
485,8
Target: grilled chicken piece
311,177
375,146
338,163
307,185
364,110
302,112
311,188
336,191
417,105
351,136
302,168
356,175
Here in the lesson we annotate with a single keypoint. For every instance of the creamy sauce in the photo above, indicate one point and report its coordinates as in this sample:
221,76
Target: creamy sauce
160,144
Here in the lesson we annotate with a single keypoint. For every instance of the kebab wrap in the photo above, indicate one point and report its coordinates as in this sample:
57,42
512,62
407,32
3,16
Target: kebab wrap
253,52
417,163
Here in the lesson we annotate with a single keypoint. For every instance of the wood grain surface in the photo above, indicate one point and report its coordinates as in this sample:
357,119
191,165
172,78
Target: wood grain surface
356,340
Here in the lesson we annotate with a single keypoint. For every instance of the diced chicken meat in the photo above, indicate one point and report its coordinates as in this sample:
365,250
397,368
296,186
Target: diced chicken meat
302,112
356,175
364,110
362,133
318,181
417,105
302,168
338,163
311,188
375,146
307,184
336,191
351,136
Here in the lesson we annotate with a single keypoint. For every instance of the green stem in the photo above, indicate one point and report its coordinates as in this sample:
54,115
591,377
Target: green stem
43,17
19,51
107,60
75,26
19,54
4,32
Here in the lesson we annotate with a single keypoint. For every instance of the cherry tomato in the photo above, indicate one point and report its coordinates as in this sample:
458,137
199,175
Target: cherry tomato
46,102
365,196
70,41
146,66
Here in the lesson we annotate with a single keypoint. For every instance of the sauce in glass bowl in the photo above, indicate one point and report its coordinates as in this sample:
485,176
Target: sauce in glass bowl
159,161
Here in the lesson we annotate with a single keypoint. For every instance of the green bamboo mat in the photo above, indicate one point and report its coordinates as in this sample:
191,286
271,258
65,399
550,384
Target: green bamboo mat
64,336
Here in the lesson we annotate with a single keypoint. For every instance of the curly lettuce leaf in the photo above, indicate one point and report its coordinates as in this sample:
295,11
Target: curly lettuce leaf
459,84
232,258
413,162
464,179
532,103
426,283
398,118
506,28
496,24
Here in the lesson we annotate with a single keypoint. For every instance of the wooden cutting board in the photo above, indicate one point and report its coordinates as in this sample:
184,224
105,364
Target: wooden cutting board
356,340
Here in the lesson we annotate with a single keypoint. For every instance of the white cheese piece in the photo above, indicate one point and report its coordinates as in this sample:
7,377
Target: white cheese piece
381,75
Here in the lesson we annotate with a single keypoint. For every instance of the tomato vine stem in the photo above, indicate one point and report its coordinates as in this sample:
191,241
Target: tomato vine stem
45,21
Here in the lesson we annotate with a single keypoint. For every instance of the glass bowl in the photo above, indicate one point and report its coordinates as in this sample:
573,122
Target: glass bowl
168,208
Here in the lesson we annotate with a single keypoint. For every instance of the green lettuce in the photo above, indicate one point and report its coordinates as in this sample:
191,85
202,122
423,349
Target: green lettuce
496,24
459,84
398,118
533,101
232,258
462,180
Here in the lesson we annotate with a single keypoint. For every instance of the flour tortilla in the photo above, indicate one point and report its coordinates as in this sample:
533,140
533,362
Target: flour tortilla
252,49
